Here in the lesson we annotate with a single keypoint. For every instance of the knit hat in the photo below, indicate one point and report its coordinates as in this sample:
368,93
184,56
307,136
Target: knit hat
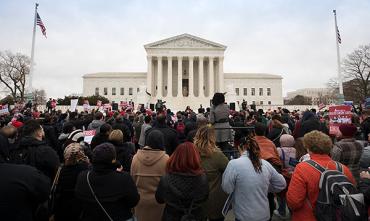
104,153
348,130
155,140
74,154
287,140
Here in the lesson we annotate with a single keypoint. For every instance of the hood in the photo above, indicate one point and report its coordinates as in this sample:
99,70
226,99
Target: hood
96,123
30,141
307,116
149,157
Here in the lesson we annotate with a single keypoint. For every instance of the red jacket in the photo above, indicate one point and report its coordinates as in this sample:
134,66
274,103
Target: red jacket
305,182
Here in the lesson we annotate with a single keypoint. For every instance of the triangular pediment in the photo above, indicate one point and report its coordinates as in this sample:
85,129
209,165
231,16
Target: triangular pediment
185,41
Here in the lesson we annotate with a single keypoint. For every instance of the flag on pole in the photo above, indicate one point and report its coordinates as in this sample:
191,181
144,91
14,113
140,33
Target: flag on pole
338,36
42,26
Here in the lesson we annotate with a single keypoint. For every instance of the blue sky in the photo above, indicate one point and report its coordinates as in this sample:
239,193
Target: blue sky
293,38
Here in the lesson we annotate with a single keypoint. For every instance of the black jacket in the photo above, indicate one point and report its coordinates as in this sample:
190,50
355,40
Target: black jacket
178,191
22,188
125,152
115,190
99,138
36,153
170,137
67,207
364,187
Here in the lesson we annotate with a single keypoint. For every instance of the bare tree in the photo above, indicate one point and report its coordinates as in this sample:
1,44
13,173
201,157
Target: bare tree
13,71
356,68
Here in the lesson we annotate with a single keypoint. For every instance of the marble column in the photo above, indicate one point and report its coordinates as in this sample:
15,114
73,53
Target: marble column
221,74
191,76
179,76
160,78
169,77
201,77
149,77
211,75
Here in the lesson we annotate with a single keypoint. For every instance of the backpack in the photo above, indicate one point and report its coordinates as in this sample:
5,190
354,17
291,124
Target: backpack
338,198
180,128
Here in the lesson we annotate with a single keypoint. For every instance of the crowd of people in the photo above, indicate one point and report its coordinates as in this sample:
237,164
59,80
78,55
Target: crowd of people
189,165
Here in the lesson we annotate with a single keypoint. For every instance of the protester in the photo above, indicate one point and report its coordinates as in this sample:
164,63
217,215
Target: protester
348,151
67,207
22,189
184,187
97,122
304,185
287,154
250,178
124,151
33,150
170,135
106,194
219,117
277,130
102,136
146,126
148,166
214,163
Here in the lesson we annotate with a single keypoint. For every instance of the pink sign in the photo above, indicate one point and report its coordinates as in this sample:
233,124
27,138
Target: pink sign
339,115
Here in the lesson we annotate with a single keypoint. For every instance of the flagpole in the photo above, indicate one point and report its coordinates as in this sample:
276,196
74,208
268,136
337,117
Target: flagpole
29,87
340,79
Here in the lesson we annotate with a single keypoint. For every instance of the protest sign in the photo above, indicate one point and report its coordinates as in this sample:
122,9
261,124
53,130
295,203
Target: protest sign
73,104
88,135
4,110
339,115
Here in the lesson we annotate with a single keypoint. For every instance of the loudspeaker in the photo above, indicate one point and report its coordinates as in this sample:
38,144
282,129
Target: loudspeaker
114,106
151,107
232,106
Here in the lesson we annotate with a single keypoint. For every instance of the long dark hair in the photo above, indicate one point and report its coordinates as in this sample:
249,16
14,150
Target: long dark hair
250,144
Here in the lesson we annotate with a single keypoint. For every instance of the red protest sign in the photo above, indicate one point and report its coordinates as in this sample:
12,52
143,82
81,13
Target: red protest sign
339,115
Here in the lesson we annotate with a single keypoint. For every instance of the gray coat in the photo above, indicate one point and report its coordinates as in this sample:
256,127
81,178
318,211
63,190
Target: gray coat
221,113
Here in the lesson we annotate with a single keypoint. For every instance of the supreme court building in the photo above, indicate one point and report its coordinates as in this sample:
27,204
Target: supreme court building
185,70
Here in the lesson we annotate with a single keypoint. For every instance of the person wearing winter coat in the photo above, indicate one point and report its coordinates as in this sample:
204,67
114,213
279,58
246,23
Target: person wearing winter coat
67,207
303,189
250,178
22,189
184,188
214,163
97,122
102,136
148,166
146,126
33,150
170,135
219,118
348,151
125,151
277,130
115,191
287,154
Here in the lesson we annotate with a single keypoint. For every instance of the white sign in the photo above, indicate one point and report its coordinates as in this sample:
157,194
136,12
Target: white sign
88,135
73,105
4,110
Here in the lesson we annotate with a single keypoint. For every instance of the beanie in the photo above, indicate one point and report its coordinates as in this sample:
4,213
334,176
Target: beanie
155,140
104,153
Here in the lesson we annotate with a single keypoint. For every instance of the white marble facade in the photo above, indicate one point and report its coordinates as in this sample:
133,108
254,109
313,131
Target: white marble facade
185,70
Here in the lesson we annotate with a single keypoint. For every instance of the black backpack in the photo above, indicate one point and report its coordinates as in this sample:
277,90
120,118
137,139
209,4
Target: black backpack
338,199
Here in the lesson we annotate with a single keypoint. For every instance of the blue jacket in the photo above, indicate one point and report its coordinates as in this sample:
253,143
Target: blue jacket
250,188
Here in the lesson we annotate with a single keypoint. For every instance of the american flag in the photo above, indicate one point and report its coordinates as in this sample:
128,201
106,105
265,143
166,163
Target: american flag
42,26
338,36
